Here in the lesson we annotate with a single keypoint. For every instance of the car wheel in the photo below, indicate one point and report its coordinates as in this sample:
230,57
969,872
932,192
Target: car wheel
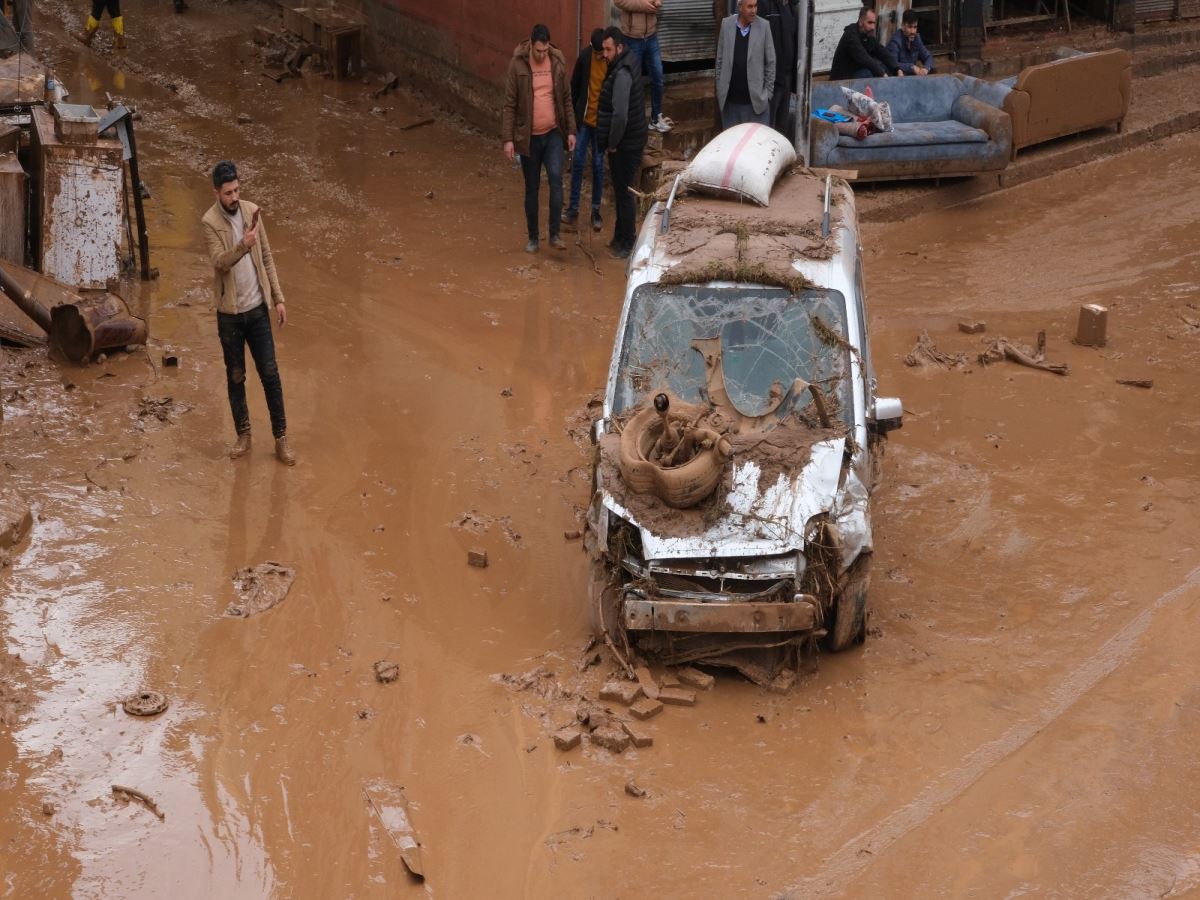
849,625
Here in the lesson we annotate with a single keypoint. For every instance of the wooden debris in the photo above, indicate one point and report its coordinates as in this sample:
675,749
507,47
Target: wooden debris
1146,383
128,793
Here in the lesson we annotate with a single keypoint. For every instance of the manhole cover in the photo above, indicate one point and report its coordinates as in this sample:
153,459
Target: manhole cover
145,703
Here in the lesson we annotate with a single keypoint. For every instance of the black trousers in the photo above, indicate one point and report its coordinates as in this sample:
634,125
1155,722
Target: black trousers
112,6
623,165
251,328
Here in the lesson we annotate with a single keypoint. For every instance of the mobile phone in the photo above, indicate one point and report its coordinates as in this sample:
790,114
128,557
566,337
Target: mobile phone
254,220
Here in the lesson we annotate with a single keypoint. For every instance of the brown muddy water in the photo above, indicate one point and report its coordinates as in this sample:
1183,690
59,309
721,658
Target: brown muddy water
1022,719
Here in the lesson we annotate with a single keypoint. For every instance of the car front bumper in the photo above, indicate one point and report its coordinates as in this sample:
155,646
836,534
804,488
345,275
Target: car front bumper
639,613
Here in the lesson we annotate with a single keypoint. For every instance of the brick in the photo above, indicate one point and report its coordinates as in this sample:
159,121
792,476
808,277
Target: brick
695,678
646,680
598,719
646,708
567,738
477,558
677,696
611,738
669,680
637,734
621,692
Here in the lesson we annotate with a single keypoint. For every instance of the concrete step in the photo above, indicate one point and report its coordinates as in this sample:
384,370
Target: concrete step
688,136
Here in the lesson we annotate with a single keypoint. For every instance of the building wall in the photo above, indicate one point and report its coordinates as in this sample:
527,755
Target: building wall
458,50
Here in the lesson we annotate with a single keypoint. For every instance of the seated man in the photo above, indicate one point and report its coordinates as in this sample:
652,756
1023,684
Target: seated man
859,54
908,48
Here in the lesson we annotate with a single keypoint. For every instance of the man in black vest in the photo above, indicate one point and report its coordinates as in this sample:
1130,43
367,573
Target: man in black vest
621,127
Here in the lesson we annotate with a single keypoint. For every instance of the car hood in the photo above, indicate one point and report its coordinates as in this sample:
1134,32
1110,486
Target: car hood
760,521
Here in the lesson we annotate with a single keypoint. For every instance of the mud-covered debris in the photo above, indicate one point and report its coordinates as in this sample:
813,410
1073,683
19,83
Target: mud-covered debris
567,738
1035,358
573,535
145,703
390,82
390,805
637,734
160,408
262,35
611,737
477,558
1146,383
127,793
410,126
540,681
507,392
926,353
386,672
599,718
646,708
783,682
260,587
244,118
633,790
621,692
170,360
972,327
429,195
16,518
677,696
695,678
646,680
48,808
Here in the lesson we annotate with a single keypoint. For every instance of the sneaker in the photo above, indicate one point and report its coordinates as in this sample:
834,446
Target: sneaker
283,452
241,447
570,216
558,243
596,223
532,246
662,124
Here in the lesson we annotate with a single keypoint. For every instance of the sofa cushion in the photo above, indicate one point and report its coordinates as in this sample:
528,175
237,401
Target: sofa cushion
909,134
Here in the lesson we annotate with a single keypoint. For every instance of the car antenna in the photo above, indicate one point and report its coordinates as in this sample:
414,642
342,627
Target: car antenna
666,216
825,217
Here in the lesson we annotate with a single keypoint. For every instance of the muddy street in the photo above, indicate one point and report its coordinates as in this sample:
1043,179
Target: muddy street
1022,716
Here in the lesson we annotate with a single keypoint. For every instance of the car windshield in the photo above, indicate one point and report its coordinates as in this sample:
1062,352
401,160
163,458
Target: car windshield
768,337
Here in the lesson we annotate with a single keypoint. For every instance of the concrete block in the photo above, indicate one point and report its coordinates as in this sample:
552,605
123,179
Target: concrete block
611,738
637,734
677,696
567,738
695,678
646,708
621,692
1092,330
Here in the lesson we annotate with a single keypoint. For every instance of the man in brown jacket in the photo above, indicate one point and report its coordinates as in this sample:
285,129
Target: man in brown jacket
538,120
245,287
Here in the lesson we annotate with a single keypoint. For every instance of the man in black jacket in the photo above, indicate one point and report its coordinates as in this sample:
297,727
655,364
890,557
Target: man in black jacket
586,81
859,54
621,126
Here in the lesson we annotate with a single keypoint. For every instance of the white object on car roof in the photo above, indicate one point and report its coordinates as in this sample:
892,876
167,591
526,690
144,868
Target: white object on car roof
741,163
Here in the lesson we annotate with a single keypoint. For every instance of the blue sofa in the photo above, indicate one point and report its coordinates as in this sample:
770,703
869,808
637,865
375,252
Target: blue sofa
944,125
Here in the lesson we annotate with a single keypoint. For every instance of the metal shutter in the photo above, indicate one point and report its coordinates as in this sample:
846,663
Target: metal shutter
1146,10
686,30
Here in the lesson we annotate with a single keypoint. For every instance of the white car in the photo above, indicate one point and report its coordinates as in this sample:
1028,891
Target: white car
752,320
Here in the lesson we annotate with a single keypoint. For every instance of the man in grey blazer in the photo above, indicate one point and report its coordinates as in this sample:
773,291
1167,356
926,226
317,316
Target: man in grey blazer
745,67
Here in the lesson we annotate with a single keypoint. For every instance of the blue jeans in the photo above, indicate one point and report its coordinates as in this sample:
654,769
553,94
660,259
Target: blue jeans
647,49
544,150
253,328
586,139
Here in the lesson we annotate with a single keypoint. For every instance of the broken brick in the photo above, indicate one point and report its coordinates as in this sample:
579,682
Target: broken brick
477,558
567,738
677,696
646,708
695,678
646,680
611,738
972,327
621,692
637,734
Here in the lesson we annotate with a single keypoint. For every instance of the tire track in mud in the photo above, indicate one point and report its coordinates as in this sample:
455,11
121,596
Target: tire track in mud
857,854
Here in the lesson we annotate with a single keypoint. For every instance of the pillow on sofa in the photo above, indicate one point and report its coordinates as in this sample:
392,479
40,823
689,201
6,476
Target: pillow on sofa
879,114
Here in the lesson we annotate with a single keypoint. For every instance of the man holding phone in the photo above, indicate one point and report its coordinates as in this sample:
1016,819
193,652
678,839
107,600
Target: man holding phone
245,288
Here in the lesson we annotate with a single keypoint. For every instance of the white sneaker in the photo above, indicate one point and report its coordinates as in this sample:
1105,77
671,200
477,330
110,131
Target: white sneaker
662,124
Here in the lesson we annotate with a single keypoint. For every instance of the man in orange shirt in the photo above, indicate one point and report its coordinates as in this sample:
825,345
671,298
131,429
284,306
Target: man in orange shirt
538,120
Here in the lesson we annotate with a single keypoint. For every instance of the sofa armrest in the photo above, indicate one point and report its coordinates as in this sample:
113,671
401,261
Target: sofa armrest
1016,104
822,140
977,114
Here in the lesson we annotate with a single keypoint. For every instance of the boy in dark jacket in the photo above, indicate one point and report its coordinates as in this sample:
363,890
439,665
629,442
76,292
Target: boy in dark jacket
586,80
908,48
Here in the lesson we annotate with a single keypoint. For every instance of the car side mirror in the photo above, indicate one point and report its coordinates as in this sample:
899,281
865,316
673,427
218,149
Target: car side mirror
889,415
599,429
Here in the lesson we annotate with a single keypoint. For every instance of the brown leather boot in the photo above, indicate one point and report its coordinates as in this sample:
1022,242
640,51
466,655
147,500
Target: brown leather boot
241,447
283,452
89,32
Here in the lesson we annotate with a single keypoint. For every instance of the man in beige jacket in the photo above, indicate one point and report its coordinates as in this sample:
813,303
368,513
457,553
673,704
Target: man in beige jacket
639,24
245,287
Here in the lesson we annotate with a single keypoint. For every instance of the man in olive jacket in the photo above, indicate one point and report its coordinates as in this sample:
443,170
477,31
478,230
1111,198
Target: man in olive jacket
538,120
245,288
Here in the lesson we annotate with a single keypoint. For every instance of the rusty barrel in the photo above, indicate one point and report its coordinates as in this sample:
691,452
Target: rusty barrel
94,324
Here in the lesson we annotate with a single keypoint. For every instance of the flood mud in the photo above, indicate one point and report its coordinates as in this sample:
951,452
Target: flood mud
1021,719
